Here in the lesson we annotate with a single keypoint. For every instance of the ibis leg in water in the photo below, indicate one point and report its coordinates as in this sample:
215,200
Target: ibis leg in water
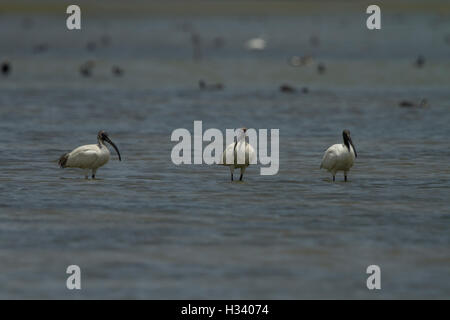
89,157
242,173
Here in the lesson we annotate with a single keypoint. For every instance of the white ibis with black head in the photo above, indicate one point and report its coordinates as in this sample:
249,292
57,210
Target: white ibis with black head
340,157
234,153
90,156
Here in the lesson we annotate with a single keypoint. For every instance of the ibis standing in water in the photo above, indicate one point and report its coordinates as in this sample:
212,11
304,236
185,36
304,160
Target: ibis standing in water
234,154
340,157
90,156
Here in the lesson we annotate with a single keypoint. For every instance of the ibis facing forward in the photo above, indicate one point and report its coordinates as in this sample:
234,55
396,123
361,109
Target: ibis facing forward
239,154
90,156
340,157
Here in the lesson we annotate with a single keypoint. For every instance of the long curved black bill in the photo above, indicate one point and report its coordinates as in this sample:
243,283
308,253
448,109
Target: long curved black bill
114,146
350,140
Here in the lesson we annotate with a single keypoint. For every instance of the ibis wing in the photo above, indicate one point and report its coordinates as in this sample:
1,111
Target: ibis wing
82,157
234,151
228,155
251,154
329,159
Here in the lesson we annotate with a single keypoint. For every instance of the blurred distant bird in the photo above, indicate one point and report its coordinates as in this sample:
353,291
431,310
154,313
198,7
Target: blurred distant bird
87,68
306,60
420,61
256,44
321,68
6,68
305,90
89,157
85,72
238,154
287,88
211,87
117,71
409,104
196,42
340,157
297,61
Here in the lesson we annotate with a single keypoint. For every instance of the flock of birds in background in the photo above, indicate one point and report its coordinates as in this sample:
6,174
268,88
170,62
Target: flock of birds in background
258,43
338,157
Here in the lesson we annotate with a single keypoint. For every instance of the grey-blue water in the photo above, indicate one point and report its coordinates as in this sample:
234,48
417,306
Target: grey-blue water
149,229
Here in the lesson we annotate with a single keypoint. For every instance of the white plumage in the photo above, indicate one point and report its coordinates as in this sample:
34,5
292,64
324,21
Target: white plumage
340,157
89,157
239,154
256,44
